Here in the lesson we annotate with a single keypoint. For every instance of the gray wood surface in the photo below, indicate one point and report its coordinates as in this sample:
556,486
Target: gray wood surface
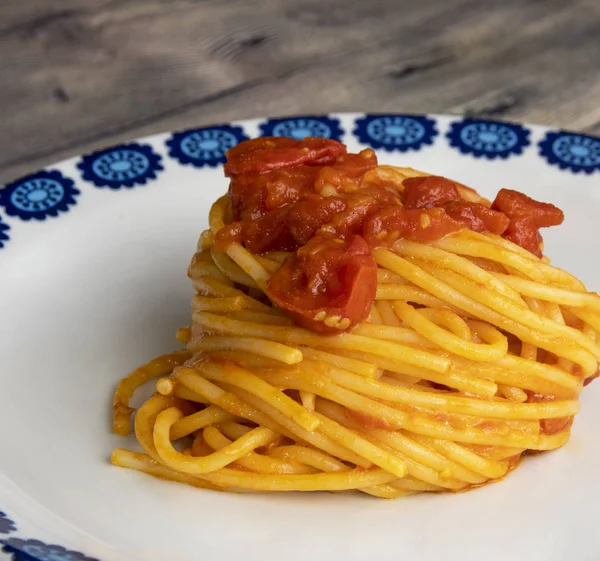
76,75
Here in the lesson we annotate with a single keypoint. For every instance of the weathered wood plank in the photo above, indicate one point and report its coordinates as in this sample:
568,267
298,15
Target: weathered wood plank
77,76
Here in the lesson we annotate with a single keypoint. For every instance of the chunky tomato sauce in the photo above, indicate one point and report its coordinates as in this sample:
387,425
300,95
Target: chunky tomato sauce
330,208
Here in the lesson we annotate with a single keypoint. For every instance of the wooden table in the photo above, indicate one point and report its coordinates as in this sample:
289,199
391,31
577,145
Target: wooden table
76,75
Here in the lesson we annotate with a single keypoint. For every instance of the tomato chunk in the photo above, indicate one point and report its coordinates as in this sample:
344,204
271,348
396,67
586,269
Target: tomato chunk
360,204
429,191
346,173
331,208
268,153
328,286
253,195
416,224
526,216
229,234
309,214
477,217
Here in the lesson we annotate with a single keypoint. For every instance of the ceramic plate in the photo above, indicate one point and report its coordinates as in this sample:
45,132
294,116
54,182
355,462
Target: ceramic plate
93,261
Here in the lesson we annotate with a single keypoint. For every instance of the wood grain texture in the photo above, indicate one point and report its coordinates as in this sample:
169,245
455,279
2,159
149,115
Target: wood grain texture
78,75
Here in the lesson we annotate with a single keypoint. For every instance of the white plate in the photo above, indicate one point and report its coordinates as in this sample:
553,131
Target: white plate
93,283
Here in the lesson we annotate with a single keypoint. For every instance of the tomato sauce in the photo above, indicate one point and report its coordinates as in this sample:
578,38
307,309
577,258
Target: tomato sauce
549,426
591,378
312,198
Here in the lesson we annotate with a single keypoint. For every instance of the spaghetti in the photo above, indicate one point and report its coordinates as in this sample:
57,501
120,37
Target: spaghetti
363,327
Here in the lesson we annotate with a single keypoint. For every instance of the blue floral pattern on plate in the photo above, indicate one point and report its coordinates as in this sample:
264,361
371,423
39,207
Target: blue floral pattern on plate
121,166
35,550
39,195
488,139
575,152
6,524
300,127
205,146
395,132
4,228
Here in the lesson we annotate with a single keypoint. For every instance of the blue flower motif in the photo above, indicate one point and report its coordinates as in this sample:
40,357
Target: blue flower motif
301,127
6,524
34,550
122,166
205,147
395,132
488,139
3,239
576,152
38,196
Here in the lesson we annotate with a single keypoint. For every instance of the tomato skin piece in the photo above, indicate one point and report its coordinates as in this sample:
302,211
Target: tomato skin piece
268,153
328,285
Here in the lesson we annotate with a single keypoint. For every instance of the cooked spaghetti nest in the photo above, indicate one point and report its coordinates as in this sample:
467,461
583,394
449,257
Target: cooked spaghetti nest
474,353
